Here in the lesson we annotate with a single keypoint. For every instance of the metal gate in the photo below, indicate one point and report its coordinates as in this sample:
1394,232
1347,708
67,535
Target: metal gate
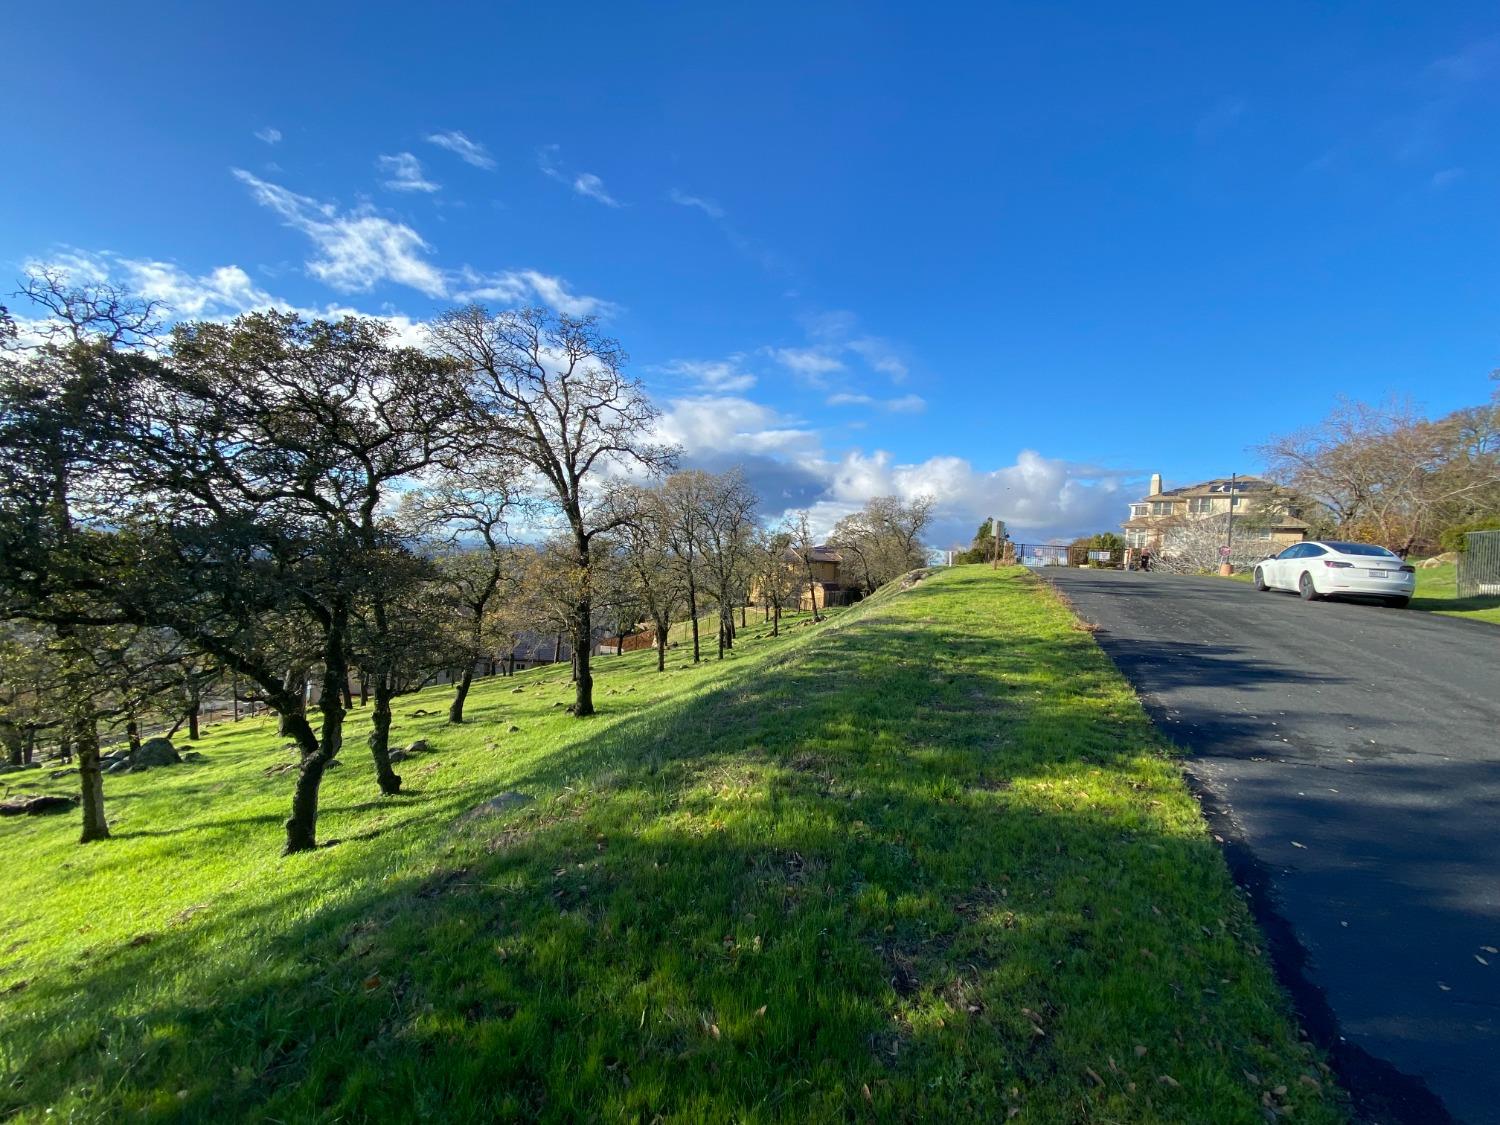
1479,565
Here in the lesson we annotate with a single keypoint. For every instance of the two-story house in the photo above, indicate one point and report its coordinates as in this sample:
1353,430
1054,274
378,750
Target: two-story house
1155,517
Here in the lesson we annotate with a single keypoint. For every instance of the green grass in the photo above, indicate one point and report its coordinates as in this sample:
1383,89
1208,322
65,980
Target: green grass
926,861
1437,592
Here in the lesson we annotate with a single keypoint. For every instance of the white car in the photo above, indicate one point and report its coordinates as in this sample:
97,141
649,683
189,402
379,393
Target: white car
1321,569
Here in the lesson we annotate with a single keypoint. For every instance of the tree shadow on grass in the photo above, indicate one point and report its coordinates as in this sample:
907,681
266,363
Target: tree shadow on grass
877,874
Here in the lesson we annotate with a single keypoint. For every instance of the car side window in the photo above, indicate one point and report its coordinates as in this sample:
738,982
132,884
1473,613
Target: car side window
1291,552
1312,551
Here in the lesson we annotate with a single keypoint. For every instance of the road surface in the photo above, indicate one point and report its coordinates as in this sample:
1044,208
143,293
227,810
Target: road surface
1349,755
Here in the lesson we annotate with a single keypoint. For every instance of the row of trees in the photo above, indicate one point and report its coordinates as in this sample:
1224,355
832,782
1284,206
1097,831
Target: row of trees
227,491
1386,474
274,499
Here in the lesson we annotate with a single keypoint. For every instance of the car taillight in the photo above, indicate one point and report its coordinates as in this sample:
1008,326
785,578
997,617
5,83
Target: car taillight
1408,570
1336,565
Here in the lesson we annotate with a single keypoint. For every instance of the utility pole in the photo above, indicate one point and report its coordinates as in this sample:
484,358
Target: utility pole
1226,567
995,535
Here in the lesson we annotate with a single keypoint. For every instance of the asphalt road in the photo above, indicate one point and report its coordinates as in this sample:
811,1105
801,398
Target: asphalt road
1349,755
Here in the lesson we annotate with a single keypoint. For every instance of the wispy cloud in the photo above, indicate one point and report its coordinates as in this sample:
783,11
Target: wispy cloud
812,364
584,183
718,376
1447,177
471,152
517,286
707,206
356,250
404,173
906,404
1472,63
592,186
269,135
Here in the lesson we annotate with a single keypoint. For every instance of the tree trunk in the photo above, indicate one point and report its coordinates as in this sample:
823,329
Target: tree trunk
693,612
619,642
192,721
91,779
133,735
29,753
364,689
768,611
663,629
456,708
317,752
776,626
13,741
294,680
583,698
348,695
380,734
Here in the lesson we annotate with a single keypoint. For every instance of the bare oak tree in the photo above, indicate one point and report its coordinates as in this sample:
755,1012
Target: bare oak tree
551,390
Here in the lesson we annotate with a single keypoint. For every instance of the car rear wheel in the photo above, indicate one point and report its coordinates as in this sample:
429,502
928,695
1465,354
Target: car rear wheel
1260,580
1398,603
1306,588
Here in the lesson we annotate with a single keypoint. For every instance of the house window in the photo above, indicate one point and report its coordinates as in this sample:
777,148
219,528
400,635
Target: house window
1138,510
1201,505
1135,538
1161,507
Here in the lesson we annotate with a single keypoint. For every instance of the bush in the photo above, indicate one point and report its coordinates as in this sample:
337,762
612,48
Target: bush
1452,539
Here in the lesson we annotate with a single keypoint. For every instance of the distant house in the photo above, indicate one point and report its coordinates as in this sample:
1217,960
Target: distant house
1159,516
830,585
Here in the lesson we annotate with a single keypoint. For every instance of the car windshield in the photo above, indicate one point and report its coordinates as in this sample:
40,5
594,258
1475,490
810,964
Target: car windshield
1361,549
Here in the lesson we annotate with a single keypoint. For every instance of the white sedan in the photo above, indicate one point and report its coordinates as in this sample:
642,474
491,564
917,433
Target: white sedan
1322,569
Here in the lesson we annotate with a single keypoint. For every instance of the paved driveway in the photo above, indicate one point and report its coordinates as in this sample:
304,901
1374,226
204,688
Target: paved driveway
1350,757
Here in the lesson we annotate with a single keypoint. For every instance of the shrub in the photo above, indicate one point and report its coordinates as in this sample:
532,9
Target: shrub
1452,539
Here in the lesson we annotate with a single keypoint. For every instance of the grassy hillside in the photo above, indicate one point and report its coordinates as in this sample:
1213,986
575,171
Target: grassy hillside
926,861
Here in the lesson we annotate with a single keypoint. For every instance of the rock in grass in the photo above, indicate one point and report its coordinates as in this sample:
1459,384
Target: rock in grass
194,756
398,756
155,752
513,728
418,747
37,806
501,803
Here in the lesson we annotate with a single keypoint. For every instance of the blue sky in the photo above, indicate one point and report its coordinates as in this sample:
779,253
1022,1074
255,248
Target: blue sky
1017,255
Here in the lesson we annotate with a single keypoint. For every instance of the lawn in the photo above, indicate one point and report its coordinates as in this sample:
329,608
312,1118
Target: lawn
925,861
1437,592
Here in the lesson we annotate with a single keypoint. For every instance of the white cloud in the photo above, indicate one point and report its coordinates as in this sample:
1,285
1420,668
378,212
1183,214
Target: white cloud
880,356
471,152
518,286
719,376
268,135
356,249
707,206
219,295
1447,177
584,183
405,173
906,404
592,186
809,363
786,461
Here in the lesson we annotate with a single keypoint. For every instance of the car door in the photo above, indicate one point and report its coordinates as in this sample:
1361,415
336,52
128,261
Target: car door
1278,571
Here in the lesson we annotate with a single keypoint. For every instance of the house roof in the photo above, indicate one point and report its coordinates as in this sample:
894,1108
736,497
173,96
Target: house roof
1219,486
818,554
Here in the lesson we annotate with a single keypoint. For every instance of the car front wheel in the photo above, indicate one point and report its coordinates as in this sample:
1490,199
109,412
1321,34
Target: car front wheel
1260,580
1306,588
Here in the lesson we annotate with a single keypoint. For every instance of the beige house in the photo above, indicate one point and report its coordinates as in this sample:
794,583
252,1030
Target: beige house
829,587
1163,515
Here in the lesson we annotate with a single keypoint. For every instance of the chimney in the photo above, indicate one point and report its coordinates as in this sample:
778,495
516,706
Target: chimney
1155,484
